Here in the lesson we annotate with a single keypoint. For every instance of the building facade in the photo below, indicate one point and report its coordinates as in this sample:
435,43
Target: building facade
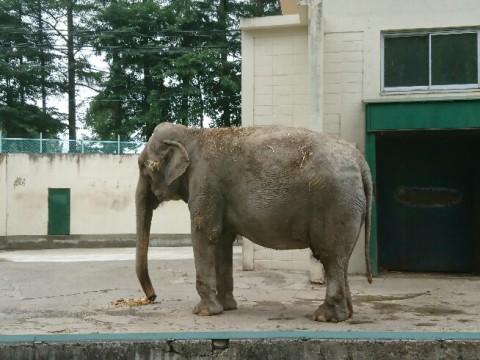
401,81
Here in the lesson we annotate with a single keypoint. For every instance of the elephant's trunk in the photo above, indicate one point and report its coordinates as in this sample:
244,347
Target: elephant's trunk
144,208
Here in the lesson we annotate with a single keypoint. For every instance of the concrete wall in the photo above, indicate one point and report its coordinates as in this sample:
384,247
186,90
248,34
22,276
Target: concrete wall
275,69
343,109
102,195
123,347
3,195
338,76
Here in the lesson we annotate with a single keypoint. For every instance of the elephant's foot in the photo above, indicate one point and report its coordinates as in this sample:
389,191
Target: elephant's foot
208,307
327,313
228,302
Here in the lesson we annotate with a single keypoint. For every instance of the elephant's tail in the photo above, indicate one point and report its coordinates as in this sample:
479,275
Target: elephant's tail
368,188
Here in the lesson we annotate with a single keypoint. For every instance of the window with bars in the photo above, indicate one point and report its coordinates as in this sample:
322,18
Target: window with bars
430,61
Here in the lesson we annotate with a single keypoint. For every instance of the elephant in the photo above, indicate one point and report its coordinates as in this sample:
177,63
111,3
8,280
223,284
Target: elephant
280,187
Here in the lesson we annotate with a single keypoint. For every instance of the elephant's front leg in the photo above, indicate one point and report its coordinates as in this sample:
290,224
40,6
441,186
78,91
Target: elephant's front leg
204,254
224,270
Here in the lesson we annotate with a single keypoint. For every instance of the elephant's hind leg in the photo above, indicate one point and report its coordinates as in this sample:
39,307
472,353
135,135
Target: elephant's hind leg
349,297
335,246
337,305
224,271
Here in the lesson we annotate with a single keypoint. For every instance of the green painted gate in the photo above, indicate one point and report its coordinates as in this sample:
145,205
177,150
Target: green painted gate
425,161
58,211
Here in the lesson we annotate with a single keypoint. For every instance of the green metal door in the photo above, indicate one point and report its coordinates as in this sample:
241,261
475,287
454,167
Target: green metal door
58,211
426,185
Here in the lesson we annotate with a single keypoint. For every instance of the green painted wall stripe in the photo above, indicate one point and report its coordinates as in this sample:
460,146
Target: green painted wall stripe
373,247
443,114
239,335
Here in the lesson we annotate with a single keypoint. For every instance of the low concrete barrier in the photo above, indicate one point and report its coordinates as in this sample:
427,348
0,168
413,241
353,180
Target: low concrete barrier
244,345
33,242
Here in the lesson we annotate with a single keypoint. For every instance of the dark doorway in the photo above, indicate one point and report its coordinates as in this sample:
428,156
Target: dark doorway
428,196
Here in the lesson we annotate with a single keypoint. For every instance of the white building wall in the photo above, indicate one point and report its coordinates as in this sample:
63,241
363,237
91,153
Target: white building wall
102,195
276,71
343,79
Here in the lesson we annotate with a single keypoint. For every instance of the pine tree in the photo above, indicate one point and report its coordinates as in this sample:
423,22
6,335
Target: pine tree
25,67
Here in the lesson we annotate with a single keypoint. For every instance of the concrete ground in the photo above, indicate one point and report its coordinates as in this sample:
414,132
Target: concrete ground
71,291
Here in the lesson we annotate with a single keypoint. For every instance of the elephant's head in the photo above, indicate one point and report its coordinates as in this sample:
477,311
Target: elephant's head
161,166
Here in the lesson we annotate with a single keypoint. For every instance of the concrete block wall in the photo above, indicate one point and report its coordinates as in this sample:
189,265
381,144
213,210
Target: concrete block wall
343,85
267,259
278,91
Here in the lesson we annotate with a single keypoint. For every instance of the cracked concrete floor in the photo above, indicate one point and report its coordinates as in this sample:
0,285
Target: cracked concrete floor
72,290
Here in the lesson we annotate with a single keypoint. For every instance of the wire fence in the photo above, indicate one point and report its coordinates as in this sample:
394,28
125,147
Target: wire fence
60,146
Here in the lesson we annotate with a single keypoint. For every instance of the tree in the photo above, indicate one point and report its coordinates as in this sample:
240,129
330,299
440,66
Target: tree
28,121
76,70
127,36
43,56
25,65
175,61
168,60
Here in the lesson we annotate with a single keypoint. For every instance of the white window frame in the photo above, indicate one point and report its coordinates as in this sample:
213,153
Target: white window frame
428,87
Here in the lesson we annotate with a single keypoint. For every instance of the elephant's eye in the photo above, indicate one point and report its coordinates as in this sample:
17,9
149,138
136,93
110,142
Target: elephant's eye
143,170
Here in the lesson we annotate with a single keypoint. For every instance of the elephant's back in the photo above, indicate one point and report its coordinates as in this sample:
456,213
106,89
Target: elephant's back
291,159
295,151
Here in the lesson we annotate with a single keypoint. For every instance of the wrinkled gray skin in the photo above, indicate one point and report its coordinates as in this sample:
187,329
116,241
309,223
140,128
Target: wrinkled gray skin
282,188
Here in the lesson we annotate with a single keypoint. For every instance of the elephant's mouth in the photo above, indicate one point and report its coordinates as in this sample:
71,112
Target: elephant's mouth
160,195
164,196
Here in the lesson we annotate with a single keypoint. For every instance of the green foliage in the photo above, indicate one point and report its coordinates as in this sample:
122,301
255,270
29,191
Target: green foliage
176,61
168,60
27,69
33,66
28,121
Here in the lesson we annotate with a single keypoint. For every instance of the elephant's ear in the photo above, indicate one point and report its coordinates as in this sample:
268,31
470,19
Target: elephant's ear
176,161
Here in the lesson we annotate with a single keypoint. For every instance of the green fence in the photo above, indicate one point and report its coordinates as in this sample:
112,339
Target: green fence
59,146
